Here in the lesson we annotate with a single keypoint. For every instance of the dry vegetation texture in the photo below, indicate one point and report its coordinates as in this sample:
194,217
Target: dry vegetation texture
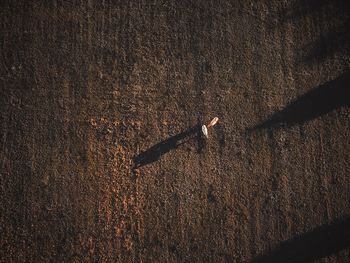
100,156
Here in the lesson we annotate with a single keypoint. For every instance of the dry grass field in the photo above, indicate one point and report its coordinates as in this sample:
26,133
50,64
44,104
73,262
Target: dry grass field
101,154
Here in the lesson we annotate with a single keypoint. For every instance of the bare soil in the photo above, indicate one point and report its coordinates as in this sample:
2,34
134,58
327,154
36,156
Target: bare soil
101,154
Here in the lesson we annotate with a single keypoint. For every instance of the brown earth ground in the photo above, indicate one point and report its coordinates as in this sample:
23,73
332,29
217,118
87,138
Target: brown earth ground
101,159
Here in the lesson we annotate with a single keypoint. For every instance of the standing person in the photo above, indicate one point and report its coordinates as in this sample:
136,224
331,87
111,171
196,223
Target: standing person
211,123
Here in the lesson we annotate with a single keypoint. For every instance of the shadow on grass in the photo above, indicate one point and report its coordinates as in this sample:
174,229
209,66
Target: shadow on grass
336,41
332,40
300,8
316,244
155,152
317,102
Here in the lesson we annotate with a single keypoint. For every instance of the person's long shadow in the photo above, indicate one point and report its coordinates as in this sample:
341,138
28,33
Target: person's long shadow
156,151
323,241
317,102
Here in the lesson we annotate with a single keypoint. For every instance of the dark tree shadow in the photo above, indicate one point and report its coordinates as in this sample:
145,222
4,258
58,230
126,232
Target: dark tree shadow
317,102
335,41
155,152
301,8
316,244
332,40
